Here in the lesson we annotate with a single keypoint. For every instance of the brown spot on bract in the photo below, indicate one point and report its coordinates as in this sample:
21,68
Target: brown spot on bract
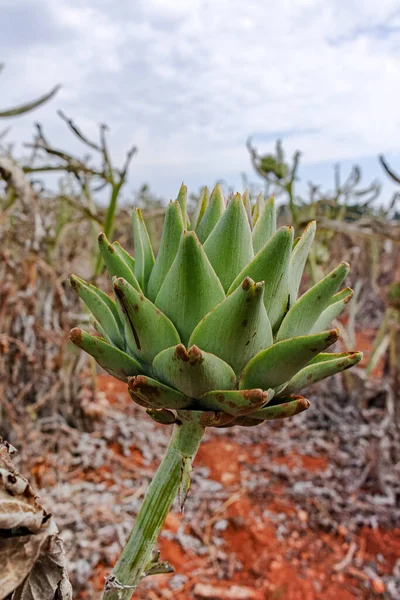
181,353
118,291
333,336
245,322
75,335
195,356
136,308
246,283
220,397
141,385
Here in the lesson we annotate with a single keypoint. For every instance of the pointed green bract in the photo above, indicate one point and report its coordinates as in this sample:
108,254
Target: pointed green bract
257,208
271,265
148,330
193,372
265,224
235,402
338,304
280,362
100,310
99,329
116,265
113,360
200,208
246,204
182,201
344,294
237,328
106,298
299,258
161,416
288,406
172,232
328,365
229,247
305,312
144,257
214,211
152,394
124,254
191,288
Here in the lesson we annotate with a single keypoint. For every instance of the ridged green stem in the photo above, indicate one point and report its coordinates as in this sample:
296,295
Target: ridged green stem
172,475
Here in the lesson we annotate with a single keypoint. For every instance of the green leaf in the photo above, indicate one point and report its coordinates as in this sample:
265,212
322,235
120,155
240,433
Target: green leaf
323,365
114,361
100,309
182,200
237,328
144,257
193,372
264,224
150,393
191,288
229,247
271,265
147,329
280,362
200,208
298,259
235,402
172,232
303,315
288,406
126,257
116,265
213,213
338,304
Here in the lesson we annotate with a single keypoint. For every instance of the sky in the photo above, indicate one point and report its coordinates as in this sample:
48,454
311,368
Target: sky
189,82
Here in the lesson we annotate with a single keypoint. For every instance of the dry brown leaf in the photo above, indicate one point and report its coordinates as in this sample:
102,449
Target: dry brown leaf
32,560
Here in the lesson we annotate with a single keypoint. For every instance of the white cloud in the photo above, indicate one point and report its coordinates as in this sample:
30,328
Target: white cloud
188,82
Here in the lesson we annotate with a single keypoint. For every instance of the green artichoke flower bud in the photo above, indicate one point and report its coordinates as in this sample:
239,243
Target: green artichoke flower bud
213,323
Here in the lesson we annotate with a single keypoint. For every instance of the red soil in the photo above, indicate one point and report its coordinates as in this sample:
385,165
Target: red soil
305,565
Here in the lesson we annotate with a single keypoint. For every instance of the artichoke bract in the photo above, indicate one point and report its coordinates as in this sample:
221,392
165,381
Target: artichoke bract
214,324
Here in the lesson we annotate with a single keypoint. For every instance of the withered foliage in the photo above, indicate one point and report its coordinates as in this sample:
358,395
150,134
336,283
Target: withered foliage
32,557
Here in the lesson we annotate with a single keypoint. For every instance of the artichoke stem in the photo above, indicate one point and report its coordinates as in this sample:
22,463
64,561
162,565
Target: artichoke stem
136,557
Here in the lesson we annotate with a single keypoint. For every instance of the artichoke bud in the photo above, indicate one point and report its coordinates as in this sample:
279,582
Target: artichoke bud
212,330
